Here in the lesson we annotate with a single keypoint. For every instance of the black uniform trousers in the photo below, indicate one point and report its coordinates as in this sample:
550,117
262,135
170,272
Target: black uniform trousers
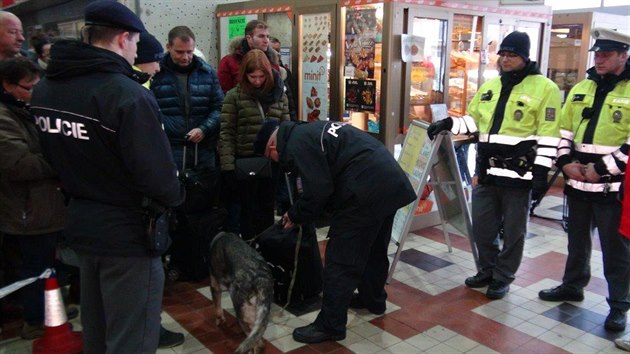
356,257
121,301
584,216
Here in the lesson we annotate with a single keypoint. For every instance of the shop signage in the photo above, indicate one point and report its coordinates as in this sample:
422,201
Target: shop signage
260,10
522,2
236,26
360,95
315,66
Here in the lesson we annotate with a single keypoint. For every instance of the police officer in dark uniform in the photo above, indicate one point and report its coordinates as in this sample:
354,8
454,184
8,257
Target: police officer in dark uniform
101,132
347,171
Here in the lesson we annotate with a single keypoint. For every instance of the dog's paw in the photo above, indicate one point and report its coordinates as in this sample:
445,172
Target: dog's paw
220,318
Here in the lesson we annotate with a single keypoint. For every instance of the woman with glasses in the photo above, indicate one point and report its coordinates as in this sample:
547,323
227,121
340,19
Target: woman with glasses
31,204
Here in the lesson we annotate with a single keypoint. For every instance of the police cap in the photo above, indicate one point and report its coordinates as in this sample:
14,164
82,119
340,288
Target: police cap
110,13
607,40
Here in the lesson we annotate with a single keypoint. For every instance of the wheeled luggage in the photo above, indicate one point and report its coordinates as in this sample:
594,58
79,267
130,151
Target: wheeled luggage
191,236
278,247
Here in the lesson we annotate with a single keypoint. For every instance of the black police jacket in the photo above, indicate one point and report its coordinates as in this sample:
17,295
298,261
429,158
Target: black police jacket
341,165
100,130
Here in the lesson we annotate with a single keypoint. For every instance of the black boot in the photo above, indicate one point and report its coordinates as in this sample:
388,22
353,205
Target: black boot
313,334
561,293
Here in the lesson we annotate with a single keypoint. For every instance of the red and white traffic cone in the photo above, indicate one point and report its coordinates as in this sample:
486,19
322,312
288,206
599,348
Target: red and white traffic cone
58,336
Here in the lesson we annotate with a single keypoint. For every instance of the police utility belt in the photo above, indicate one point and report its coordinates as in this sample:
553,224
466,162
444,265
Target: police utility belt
519,164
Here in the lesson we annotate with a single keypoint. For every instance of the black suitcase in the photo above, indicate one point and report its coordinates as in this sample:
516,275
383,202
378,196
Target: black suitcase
277,246
191,236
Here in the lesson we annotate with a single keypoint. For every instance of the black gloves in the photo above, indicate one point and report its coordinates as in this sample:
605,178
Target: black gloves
441,125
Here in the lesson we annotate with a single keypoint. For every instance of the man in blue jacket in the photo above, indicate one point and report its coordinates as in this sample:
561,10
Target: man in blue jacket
190,98
350,173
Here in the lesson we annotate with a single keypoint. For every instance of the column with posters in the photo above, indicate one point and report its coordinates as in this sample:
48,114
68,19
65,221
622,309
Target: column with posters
362,74
315,67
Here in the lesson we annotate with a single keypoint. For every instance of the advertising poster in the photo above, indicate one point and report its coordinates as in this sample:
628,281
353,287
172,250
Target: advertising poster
360,40
360,95
412,48
315,32
236,26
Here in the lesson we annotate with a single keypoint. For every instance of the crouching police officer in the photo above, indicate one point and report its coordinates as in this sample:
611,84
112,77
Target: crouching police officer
101,132
353,174
518,135
593,154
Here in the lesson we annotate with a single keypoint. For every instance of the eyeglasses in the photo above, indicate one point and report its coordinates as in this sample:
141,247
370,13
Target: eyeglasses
26,88
508,55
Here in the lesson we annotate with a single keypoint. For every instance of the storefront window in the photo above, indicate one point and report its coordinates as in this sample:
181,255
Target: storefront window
566,41
428,70
465,56
362,66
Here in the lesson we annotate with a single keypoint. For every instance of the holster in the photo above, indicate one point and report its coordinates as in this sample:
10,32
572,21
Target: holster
158,220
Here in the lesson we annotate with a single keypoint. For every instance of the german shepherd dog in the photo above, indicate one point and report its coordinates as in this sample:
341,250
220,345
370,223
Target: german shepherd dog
238,267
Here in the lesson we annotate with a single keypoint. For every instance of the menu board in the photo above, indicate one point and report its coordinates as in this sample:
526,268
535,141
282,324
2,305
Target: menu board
414,158
315,30
360,95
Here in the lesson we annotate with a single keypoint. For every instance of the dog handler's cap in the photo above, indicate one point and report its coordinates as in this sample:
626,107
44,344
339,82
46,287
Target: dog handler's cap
110,13
607,40
260,144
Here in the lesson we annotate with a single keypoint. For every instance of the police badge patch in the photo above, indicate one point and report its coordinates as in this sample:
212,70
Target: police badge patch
550,114
617,115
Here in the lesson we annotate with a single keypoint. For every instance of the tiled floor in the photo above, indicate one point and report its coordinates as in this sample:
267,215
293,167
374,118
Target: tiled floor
429,309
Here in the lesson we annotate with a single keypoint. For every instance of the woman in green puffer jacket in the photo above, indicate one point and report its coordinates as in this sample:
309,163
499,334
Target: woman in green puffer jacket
258,97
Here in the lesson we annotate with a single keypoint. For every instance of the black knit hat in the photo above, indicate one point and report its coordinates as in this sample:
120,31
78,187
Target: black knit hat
260,144
516,42
110,13
149,49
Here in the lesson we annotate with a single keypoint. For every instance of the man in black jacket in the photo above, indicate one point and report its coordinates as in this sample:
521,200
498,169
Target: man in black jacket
347,171
101,131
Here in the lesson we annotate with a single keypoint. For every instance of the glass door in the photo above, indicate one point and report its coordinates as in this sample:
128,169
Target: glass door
495,32
564,55
426,63
465,56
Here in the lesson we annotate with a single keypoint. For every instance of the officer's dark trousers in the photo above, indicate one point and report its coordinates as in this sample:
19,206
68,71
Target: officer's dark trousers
121,301
493,207
584,216
356,257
